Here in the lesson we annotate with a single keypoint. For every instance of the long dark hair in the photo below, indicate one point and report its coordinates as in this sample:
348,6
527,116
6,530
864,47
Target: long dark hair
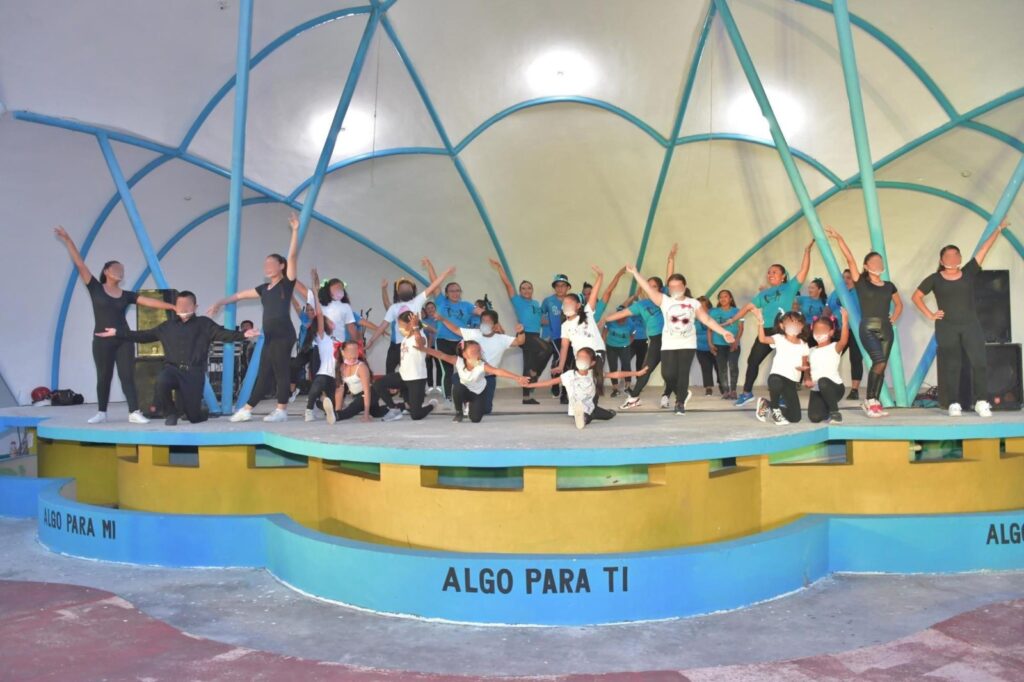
732,299
103,270
821,288
324,293
947,247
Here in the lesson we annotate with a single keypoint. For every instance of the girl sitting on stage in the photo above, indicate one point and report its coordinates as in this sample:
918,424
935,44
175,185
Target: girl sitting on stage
825,382
788,366
354,374
411,376
582,390
471,388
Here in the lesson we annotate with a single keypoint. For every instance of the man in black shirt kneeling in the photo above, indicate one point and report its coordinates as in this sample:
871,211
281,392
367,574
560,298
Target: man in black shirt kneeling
186,339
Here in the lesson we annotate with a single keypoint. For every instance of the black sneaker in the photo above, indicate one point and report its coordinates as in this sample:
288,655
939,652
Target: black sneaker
680,408
564,399
171,420
457,417
835,418
530,401
854,394
615,393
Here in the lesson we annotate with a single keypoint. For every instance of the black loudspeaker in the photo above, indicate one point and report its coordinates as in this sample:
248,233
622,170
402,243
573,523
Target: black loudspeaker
147,369
1004,377
992,300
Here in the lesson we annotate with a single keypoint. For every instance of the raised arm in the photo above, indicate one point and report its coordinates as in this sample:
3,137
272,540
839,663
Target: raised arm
595,290
987,245
509,289
611,285
851,262
429,267
436,283
316,305
644,285
291,270
805,264
761,336
384,294
844,334
76,257
563,354
670,265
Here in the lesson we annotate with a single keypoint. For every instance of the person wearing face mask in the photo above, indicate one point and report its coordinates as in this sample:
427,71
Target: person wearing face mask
451,306
186,339
476,379
493,345
411,378
825,382
581,387
405,298
679,335
773,301
876,334
354,375
109,304
580,330
835,304
788,365
536,351
337,310
958,331
323,384
551,318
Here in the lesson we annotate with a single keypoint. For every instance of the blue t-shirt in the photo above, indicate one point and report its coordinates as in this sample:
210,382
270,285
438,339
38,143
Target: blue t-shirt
599,310
811,307
777,300
702,335
836,303
651,315
528,313
552,307
460,313
639,328
619,332
720,315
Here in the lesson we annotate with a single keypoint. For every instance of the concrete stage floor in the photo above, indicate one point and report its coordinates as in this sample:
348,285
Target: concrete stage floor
55,633
517,434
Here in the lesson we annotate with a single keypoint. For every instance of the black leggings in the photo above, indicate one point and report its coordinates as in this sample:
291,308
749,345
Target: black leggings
639,347
275,365
462,395
619,357
728,361
876,334
599,413
107,353
322,385
823,402
536,354
954,341
651,362
356,407
782,389
393,358
856,361
433,371
675,370
414,392
758,352
708,367
450,348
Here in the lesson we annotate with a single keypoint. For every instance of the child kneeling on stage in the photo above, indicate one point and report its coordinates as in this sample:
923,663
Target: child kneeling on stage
788,366
582,391
471,388
411,377
825,382
354,374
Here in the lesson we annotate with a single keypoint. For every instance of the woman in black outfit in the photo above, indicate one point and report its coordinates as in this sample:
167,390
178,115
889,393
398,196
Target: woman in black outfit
876,333
957,328
278,330
109,304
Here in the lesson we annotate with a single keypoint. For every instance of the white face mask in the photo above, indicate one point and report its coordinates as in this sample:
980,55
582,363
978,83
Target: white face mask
676,294
351,362
822,339
568,311
185,316
792,330
950,267
583,365
486,329
876,273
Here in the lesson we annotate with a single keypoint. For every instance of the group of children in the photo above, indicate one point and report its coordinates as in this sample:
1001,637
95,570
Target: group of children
661,325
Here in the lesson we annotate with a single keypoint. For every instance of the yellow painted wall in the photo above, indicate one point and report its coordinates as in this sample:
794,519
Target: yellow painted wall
682,504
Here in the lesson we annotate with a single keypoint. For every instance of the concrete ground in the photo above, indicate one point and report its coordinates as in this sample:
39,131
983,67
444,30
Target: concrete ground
249,609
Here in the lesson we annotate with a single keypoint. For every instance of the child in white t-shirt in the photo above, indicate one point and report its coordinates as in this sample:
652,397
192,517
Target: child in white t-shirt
788,366
411,377
825,382
472,387
323,383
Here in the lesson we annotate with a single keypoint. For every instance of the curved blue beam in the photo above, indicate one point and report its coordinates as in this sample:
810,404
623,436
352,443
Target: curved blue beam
677,124
884,161
259,57
453,153
378,154
996,133
736,137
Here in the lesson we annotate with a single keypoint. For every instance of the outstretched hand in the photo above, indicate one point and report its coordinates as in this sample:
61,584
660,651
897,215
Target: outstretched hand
494,263
61,233
213,310
832,232
674,250
252,333
643,370
293,222
729,338
597,270
631,269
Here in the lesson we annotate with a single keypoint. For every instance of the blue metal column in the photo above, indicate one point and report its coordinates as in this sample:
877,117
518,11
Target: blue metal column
235,194
998,214
867,174
148,252
677,125
339,116
799,188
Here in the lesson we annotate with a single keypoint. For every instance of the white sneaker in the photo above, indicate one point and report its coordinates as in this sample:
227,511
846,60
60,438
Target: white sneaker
630,403
778,419
392,415
689,394
99,418
242,415
278,415
293,396
465,410
433,401
664,402
762,409
983,408
309,416
579,415
137,417
955,410
448,403
329,414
